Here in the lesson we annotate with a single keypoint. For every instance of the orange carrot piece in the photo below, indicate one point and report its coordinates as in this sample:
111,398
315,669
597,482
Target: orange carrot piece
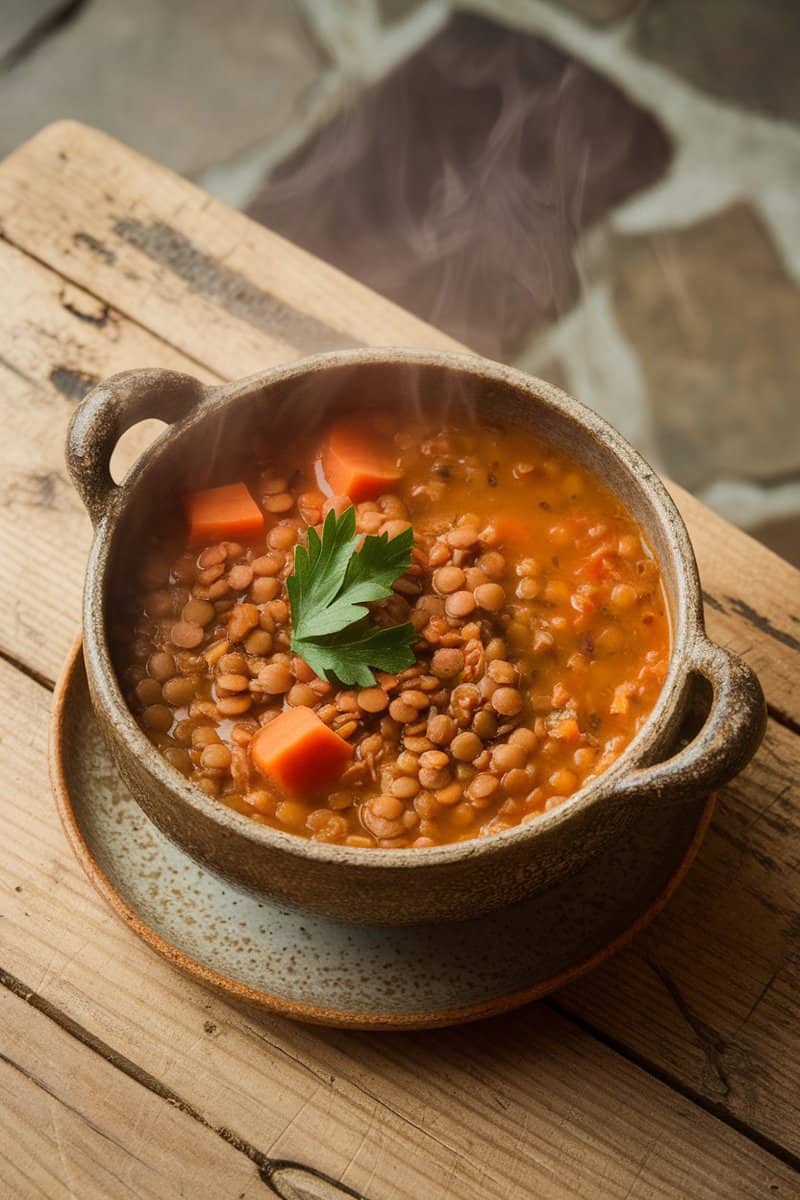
512,530
299,751
354,465
223,512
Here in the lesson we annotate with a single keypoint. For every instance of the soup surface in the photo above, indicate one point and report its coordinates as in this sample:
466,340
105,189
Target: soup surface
539,646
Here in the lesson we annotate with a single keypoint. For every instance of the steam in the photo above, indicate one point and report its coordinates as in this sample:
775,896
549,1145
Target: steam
459,188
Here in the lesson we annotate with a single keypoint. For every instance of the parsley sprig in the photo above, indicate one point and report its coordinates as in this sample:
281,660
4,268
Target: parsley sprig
329,590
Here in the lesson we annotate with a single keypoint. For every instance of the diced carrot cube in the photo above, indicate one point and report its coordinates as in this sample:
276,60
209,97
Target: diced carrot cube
354,464
300,752
512,530
223,512
567,730
621,701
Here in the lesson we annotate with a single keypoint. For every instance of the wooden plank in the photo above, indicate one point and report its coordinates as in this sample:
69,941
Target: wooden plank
710,993
55,341
72,1125
520,1106
217,287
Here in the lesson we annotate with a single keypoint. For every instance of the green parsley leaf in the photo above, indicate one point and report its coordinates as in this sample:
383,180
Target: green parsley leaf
319,572
349,655
329,590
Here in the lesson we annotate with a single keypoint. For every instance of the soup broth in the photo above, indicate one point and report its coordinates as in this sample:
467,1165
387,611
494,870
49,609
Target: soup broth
541,639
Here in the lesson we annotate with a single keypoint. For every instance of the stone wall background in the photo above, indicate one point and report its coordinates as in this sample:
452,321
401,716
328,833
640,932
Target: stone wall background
606,192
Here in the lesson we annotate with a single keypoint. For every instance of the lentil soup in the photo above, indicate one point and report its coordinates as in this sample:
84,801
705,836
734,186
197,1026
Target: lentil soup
540,638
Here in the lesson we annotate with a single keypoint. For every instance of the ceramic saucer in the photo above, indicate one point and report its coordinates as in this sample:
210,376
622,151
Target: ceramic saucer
313,969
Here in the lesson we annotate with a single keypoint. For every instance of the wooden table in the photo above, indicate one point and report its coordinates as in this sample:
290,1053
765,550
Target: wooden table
671,1071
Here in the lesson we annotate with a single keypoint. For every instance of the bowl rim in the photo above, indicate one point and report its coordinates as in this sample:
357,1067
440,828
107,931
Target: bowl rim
686,622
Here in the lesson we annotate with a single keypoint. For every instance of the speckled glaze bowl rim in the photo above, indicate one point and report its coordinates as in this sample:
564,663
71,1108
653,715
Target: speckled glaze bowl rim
686,617
234,989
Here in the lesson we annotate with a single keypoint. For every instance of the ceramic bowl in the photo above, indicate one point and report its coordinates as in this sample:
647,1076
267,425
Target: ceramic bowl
211,431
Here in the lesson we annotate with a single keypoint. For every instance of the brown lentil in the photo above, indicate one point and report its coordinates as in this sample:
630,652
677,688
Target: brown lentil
179,691
432,778
483,786
278,611
301,693
215,757
490,596
157,717
448,579
525,738
179,759
211,556
484,723
243,618
402,711
434,760
259,642
232,683
459,605
186,634
161,665
405,786
281,502
462,815
282,537
441,729
466,746
268,564
501,671
373,700
210,575
506,755
451,794
234,706
240,576
506,701
275,679
408,762
516,782
148,691
198,612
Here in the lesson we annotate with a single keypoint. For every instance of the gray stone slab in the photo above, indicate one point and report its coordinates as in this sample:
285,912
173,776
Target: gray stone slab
392,11
745,51
22,20
189,82
599,12
715,322
459,185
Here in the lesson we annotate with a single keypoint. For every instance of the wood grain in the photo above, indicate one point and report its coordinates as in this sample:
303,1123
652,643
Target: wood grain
54,340
216,286
72,1125
710,993
524,1105
752,601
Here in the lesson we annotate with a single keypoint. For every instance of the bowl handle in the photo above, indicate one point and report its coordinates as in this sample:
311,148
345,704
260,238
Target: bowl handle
728,739
107,411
